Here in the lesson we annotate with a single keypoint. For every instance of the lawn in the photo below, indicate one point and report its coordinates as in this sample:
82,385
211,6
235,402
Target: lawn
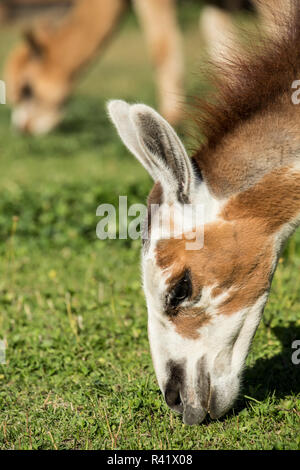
78,373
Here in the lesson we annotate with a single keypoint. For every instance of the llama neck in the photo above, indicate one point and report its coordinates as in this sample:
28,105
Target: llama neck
274,202
83,33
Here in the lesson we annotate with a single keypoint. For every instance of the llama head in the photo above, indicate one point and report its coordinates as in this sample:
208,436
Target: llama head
206,278
36,87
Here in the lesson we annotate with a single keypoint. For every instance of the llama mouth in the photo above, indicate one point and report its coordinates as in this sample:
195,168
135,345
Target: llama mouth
193,415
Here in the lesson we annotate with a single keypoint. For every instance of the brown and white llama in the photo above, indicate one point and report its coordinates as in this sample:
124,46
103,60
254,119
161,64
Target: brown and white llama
42,71
205,305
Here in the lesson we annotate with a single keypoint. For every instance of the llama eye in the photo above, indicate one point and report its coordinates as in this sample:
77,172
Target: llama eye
26,91
181,291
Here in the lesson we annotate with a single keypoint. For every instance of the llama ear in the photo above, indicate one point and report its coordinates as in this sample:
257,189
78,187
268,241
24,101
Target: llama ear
156,145
119,112
35,45
38,38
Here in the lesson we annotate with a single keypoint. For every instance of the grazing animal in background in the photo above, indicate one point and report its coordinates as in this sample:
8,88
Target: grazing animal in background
42,71
205,305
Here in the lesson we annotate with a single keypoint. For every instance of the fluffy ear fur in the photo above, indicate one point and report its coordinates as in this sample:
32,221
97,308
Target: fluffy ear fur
156,145
268,10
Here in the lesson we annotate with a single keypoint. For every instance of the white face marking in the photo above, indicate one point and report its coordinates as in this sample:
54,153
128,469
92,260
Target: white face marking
176,219
220,351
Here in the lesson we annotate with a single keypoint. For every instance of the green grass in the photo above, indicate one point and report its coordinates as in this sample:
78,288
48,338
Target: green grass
79,373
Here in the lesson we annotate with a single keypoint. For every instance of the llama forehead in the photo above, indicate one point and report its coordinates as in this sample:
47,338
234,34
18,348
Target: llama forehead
166,220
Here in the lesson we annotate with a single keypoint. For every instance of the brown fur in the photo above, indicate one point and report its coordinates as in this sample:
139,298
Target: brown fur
269,140
188,321
272,202
63,51
239,253
253,125
251,159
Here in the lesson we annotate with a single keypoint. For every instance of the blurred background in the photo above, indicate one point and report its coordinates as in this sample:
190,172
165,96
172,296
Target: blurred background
84,151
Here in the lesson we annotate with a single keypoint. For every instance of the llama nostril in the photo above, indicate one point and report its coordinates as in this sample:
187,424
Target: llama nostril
173,400
174,386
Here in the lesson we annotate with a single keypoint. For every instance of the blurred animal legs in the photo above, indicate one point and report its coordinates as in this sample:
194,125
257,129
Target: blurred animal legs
86,31
158,19
219,33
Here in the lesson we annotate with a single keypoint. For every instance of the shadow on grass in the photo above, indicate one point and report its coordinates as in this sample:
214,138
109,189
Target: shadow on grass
276,376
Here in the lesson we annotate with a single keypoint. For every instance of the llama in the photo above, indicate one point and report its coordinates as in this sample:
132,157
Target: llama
205,305
42,71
